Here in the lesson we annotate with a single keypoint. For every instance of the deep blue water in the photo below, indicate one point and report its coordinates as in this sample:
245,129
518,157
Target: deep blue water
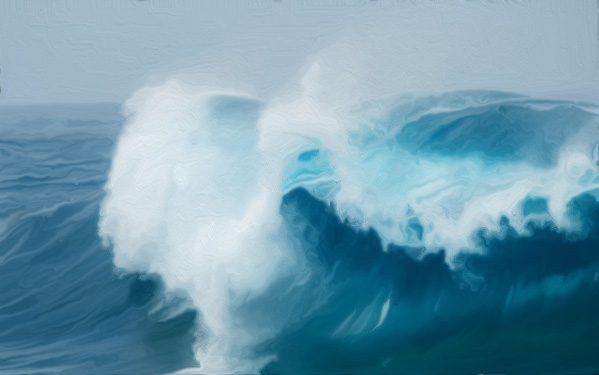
521,304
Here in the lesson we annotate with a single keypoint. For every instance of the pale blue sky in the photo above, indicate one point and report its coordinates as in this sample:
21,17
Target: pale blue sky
105,50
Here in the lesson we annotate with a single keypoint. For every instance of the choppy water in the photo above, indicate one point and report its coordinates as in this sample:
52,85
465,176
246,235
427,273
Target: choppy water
63,309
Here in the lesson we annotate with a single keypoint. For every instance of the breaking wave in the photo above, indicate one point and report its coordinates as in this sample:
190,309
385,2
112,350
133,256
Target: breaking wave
207,189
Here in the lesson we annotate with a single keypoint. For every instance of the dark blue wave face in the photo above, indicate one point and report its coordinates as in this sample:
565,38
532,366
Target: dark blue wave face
524,305
521,304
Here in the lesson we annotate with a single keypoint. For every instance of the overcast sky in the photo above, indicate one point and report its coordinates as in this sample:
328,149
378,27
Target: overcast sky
63,51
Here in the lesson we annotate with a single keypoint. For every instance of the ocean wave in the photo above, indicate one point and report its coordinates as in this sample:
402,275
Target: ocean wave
199,177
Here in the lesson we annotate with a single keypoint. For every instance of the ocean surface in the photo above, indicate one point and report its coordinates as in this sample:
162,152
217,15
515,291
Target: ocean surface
215,233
